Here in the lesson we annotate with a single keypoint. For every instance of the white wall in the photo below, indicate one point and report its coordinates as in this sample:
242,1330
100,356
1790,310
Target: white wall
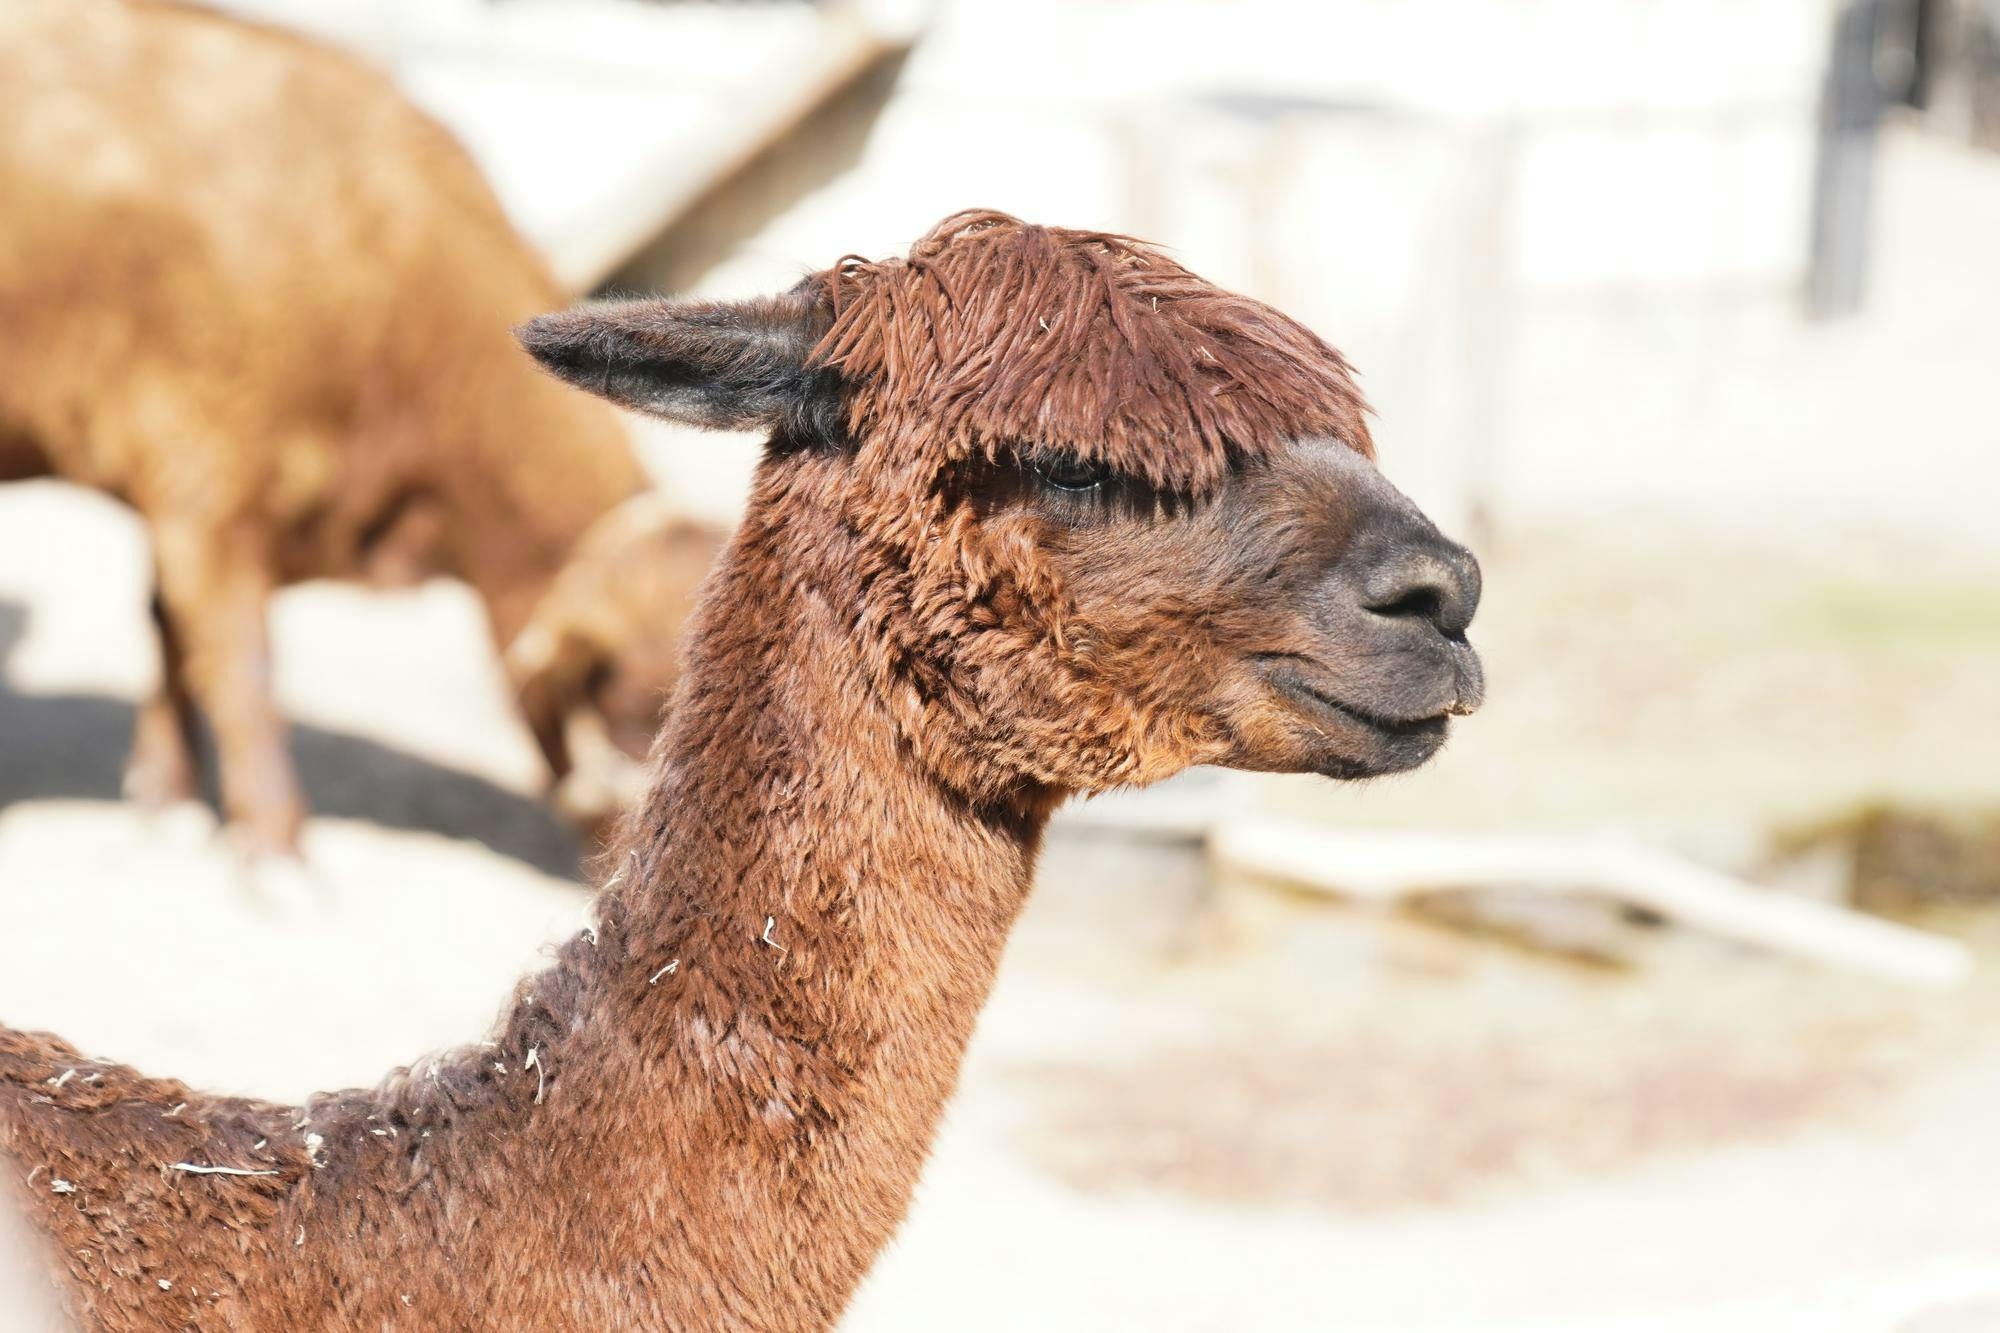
1467,196
1419,181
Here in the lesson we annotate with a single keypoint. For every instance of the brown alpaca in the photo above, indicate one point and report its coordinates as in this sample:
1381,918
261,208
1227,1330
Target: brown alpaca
250,290
1041,513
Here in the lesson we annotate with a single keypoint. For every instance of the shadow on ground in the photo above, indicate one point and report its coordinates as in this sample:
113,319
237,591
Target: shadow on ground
73,746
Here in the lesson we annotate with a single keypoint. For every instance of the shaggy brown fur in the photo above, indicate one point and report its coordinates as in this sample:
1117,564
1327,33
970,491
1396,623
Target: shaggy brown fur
989,334
710,1112
250,290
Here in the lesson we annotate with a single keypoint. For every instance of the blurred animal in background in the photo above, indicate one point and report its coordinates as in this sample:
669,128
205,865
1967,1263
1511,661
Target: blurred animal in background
250,290
604,644
1040,513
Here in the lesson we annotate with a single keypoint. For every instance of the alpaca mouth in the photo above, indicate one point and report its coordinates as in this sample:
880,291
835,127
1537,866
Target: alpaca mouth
1289,681
1417,728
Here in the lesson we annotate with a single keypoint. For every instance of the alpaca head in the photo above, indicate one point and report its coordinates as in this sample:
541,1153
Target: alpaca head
1086,518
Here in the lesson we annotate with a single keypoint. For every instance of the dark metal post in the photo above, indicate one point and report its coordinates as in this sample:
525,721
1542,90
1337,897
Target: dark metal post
1851,110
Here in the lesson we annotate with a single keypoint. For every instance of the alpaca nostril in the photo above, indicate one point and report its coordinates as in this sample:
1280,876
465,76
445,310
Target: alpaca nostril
1439,586
1425,603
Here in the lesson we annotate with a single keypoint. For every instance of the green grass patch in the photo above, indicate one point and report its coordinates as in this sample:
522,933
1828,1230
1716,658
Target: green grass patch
1881,615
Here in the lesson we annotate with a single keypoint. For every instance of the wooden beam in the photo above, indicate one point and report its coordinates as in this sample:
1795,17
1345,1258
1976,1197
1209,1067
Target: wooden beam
1383,866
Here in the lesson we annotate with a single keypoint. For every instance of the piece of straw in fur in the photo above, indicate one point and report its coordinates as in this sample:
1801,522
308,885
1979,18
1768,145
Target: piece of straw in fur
196,1169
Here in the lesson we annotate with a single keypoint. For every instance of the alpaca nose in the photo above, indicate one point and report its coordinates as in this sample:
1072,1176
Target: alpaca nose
1433,581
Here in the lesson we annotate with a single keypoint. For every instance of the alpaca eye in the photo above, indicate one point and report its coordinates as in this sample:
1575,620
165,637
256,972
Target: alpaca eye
1067,473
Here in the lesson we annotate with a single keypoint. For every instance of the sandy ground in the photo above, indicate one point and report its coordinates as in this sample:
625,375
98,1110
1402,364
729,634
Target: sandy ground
1179,1114
1191,1113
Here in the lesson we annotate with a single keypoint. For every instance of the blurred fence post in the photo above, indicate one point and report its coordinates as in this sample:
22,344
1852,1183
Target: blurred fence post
1489,324
1851,108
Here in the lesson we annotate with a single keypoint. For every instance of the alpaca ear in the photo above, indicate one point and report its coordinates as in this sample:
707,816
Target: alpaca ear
740,365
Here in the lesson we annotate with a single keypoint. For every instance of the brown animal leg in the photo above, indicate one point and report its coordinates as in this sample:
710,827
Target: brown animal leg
161,770
214,593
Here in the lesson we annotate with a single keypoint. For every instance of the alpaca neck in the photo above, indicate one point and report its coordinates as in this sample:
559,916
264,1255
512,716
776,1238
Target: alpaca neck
761,1039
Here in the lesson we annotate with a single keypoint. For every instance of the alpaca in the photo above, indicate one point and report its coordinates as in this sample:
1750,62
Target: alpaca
250,290
1041,513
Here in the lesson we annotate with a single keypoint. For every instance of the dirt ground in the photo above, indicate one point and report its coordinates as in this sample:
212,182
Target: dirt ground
1193,1113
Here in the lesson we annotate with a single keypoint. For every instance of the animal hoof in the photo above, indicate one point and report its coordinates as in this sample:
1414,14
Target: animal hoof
283,885
190,825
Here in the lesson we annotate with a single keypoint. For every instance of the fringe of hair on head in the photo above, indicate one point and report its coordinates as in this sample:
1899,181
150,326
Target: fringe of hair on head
998,335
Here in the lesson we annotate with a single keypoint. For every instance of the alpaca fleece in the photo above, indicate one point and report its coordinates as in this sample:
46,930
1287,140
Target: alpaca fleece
710,1112
993,332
